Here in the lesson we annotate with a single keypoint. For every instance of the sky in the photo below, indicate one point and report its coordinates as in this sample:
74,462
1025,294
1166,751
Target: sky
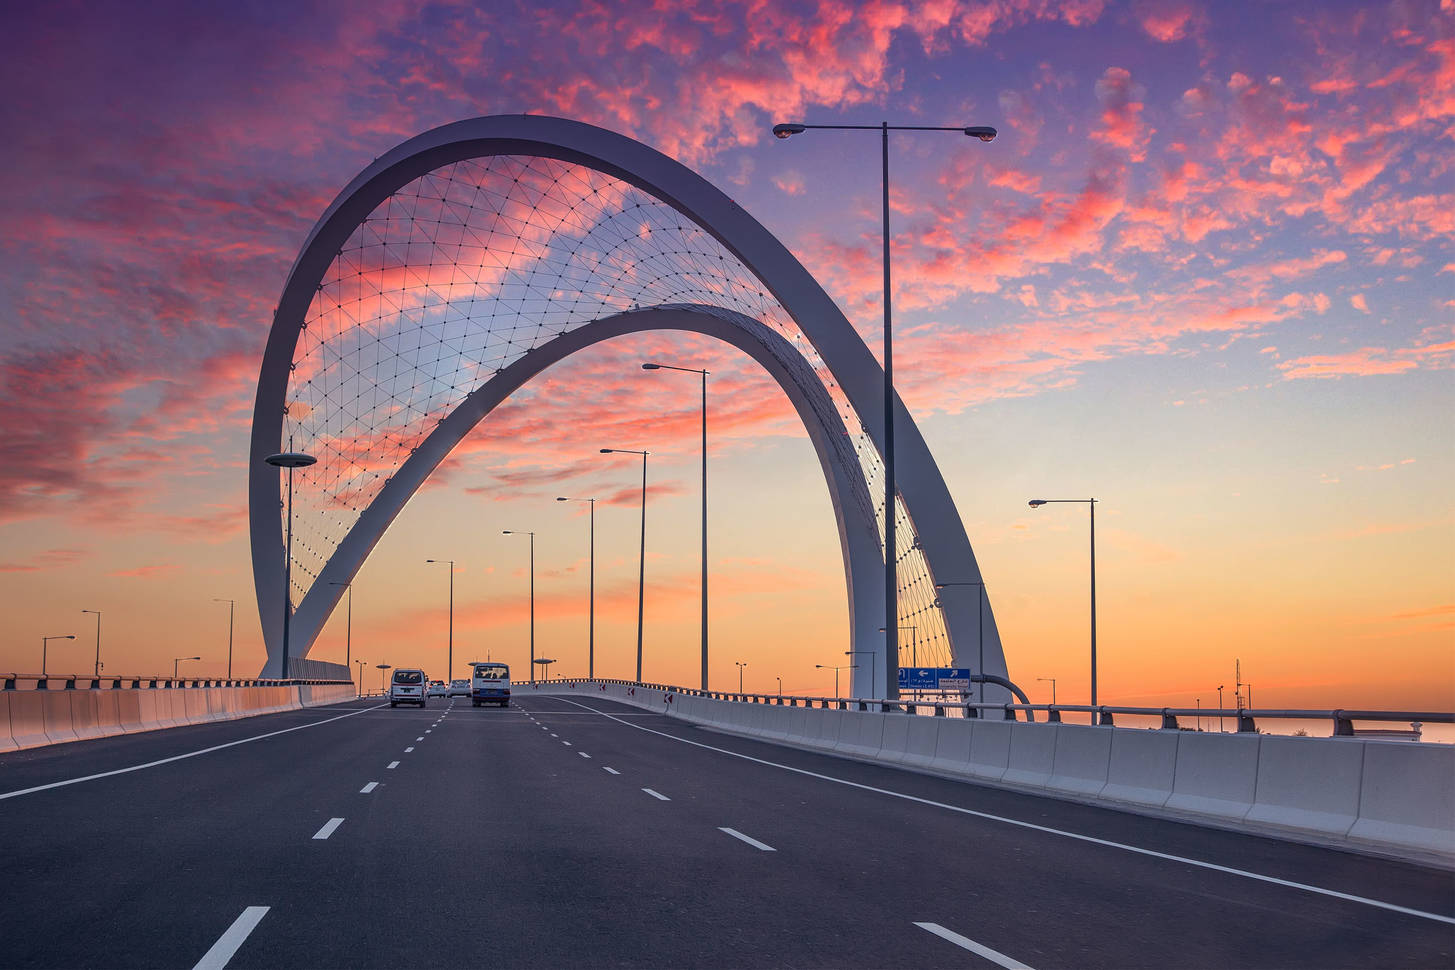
1205,274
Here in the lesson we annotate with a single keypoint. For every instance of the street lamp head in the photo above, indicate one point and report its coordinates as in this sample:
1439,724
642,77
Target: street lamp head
651,367
290,459
562,498
1036,503
984,132
505,532
607,451
787,131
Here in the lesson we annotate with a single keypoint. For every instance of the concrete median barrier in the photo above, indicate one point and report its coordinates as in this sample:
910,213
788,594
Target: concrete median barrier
128,711
1142,766
861,735
1083,757
1217,774
85,714
7,741
1310,787
953,744
989,748
921,735
896,736
56,711
27,719
1407,797
1032,755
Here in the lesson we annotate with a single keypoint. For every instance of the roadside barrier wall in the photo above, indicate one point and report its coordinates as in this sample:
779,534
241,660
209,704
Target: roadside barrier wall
31,717
1390,797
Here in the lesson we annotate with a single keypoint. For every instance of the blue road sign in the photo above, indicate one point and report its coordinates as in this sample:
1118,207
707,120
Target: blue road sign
934,678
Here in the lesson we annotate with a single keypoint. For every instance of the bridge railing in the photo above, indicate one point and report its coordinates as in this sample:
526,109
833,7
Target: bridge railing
1166,718
19,681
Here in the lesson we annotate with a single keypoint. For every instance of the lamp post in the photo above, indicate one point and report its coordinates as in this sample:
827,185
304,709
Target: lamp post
872,681
642,556
360,665
591,612
1090,503
694,370
349,621
780,687
507,532
97,671
231,606
178,660
289,460
44,642
544,665
741,664
1220,708
450,661
382,668
1053,688
836,674
1199,714
980,626
891,588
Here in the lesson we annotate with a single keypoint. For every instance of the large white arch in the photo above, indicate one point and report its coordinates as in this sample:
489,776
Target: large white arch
937,526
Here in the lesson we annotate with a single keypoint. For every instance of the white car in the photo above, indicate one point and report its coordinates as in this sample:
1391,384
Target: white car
437,688
407,687
459,688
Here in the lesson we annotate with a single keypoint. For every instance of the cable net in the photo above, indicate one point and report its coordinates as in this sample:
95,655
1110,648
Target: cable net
463,271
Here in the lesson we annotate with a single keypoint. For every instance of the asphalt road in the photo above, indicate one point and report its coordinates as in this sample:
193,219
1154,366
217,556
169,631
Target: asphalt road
571,832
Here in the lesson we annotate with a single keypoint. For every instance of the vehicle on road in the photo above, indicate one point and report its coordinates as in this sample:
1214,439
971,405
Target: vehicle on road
437,688
490,684
408,687
459,688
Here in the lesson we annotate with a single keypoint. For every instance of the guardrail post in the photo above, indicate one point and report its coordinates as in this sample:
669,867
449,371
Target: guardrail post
972,711
1053,715
1169,721
1245,724
939,710
1343,726
1104,717
1009,714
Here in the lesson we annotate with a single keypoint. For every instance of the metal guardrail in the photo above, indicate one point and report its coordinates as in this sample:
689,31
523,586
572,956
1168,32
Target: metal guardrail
13,681
1104,714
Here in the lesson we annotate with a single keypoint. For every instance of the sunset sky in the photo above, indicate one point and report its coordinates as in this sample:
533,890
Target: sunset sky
1205,274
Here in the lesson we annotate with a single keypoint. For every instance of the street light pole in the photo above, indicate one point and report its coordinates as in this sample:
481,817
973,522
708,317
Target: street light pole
97,671
1220,708
178,660
360,665
382,668
1090,503
981,629
694,370
1053,688
872,681
591,622
289,460
450,656
507,532
836,674
45,642
642,556
891,588
231,605
349,621
741,664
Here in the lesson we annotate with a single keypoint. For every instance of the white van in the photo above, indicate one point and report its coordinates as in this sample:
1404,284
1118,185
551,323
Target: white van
490,684
408,686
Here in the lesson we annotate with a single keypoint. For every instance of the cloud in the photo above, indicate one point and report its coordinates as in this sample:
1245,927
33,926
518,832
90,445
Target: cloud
48,559
1364,362
1358,302
146,572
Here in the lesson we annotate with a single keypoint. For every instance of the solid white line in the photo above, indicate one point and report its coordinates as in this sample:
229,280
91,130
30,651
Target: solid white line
328,828
227,944
1138,850
1000,959
747,838
409,749
393,764
611,770
178,757
368,788
656,794
583,754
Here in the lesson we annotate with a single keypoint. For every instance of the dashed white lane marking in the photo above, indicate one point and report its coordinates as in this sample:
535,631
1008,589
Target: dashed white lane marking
368,788
428,731
656,794
420,738
227,944
1046,829
409,749
980,950
328,828
747,838
566,743
180,757
612,771
394,764
555,735
583,754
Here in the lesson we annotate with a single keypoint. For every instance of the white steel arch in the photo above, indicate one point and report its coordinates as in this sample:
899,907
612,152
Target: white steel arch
936,530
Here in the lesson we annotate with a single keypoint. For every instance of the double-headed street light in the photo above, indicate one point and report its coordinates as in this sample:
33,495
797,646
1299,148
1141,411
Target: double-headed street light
231,606
836,674
1090,503
178,660
694,370
289,460
591,611
642,556
44,642
97,672
450,661
508,532
891,585
741,664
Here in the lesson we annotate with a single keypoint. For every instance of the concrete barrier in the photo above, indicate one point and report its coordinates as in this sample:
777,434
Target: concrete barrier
862,734
1217,774
828,725
1310,787
27,719
7,742
85,713
953,744
989,748
1142,766
921,735
1032,754
1083,758
128,708
896,736
56,712
1407,797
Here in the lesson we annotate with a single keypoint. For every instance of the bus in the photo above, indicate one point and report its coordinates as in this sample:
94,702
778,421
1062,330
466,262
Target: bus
490,684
